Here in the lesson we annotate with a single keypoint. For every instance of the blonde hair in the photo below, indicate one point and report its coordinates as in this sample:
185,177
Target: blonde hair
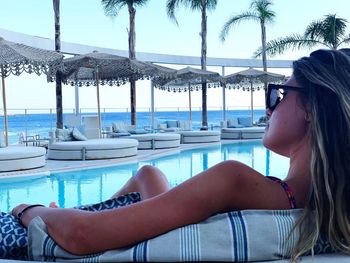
326,74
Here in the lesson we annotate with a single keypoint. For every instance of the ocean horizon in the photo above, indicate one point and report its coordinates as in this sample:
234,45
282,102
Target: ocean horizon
42,123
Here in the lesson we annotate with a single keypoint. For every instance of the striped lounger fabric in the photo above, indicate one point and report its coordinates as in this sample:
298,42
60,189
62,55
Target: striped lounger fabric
250,235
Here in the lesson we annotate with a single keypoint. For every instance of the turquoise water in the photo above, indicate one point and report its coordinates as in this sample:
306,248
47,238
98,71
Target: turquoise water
94,185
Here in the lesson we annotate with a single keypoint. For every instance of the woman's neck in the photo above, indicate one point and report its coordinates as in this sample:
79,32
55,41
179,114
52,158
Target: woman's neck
299,177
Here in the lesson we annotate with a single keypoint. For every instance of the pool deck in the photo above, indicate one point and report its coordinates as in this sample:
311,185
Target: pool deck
142,155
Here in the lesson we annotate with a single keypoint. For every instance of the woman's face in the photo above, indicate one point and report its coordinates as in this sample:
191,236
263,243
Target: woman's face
288,123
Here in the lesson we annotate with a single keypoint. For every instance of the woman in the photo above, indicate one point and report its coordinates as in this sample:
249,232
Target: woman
309,122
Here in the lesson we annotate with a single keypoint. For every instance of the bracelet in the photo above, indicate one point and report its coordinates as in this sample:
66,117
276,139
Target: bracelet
20,214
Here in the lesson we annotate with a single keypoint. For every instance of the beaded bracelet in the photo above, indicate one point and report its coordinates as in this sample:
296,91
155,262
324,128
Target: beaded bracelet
20,214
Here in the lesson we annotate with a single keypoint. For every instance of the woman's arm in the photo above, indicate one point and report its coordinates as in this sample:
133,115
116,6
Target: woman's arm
226,186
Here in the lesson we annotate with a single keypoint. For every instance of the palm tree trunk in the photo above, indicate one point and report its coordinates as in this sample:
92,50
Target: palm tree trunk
204,62
132,55
59,107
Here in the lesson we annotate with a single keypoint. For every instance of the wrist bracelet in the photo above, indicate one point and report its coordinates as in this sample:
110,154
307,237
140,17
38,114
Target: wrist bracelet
20,214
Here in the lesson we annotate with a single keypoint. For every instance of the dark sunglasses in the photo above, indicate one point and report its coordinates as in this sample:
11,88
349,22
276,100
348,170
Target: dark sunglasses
276,93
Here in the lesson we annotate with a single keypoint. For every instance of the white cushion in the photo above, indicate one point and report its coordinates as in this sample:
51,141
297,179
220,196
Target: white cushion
64,134
77,135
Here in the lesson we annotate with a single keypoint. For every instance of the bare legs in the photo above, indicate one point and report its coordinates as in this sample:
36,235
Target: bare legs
149,181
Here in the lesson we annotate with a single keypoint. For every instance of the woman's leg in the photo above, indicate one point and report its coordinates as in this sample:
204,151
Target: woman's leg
149,181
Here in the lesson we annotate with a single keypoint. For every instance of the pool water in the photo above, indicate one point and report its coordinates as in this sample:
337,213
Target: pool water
73,188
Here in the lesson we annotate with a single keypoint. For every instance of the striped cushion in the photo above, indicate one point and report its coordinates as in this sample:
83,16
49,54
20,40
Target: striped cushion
250,235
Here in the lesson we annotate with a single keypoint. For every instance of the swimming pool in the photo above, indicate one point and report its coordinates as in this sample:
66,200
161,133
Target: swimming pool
94,185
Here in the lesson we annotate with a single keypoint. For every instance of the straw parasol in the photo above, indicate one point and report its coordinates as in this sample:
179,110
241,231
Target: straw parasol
190,79
18,58
106,69
251,79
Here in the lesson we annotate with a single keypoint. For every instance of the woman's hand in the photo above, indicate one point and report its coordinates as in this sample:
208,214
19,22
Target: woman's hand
15,211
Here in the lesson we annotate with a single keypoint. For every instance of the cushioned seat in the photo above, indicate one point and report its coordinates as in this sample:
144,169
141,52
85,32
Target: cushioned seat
157,140
15,158
243,133
92,149
200,136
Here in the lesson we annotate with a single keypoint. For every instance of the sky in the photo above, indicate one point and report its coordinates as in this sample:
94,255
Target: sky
84,22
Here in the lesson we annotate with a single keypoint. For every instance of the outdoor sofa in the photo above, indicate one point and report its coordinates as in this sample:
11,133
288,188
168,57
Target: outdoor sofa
241,128
199,136
157,140
70,144
16,158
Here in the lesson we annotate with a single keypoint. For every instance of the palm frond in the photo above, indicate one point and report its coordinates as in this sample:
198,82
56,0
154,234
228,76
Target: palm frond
139,3
235,20
211,4
330,30
173,5
262,8
345,40
280,45
112,7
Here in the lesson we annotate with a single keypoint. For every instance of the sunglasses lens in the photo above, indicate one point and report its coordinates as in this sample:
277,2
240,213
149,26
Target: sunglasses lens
273,99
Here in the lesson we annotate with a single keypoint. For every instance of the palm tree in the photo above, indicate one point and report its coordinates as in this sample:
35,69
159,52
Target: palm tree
260,12
203,6
328,32
112,8
59,107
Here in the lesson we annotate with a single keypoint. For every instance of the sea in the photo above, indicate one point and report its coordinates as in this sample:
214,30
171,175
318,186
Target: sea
22,125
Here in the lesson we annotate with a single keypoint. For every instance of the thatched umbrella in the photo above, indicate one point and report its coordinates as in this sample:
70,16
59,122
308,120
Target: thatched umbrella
251,79
18,58
107,69
190,79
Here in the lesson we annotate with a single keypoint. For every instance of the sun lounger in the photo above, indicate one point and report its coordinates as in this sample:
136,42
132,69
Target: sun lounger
199,136
243,133
15,158
92,149
157,140
240,236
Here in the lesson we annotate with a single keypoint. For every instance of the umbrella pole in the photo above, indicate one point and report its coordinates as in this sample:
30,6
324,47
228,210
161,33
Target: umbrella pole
251,101
190,101
98,103
5,110
76,89
152,105
223,96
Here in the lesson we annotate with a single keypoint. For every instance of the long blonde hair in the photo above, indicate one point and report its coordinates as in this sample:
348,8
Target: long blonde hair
326,74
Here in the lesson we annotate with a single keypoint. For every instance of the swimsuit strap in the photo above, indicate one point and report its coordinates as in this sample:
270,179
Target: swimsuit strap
287,190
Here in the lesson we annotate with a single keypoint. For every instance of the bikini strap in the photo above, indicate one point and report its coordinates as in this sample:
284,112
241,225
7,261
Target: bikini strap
287,190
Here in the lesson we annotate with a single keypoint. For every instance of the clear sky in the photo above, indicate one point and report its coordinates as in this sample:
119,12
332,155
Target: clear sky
83,21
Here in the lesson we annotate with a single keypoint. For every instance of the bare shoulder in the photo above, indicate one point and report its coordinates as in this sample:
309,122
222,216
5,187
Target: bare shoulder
242,187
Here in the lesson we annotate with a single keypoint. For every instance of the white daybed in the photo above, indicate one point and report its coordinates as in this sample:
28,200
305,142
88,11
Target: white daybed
199,136
15,158
92,149
243,133
157,140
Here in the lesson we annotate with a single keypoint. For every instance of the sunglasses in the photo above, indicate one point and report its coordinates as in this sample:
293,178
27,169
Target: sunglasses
276,93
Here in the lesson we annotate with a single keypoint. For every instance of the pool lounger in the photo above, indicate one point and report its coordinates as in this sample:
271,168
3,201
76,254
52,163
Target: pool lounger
16,158
157,140
200,136
243,133
92,149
